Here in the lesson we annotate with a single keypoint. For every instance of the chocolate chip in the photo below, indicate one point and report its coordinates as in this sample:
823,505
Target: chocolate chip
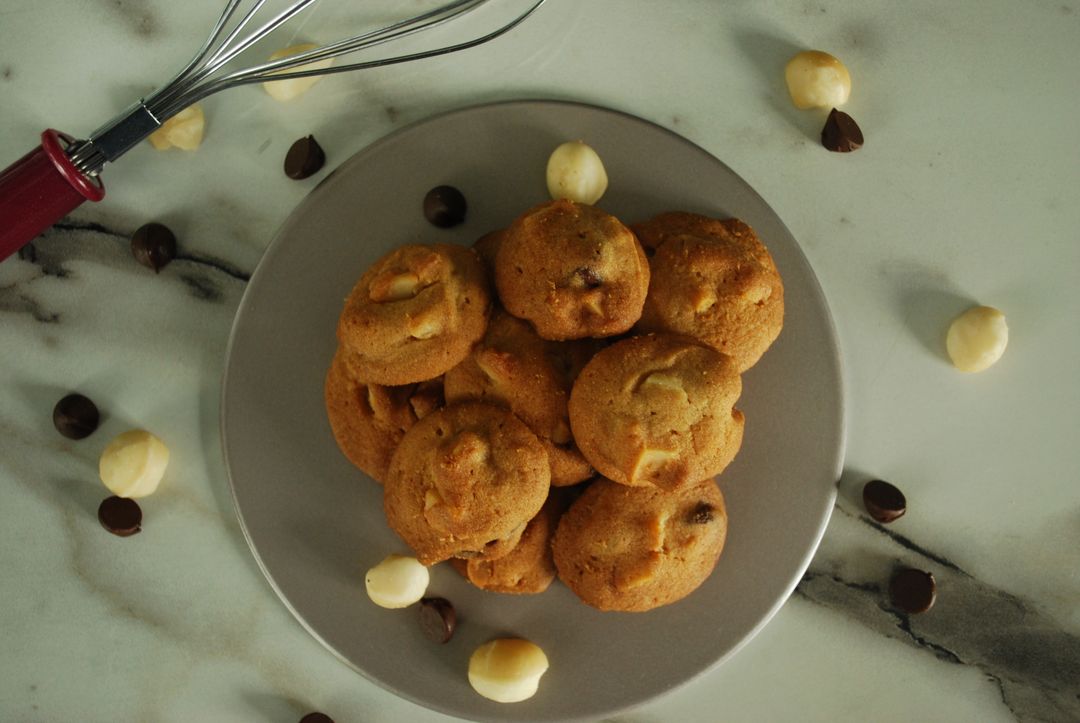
153,246
28,253
444,206
316,718
304,159
75,416
841,133
120,516
437,619
883,501
589,277
702,514
912,591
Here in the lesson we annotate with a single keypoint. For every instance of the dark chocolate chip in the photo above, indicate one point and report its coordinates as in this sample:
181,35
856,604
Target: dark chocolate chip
444,206
589,277
316,718
702,513
912,591
437,619
75,416
153,246
28,253
841,133
120,516
883,501
304,159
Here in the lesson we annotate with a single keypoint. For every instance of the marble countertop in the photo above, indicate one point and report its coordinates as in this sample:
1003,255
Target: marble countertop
968,190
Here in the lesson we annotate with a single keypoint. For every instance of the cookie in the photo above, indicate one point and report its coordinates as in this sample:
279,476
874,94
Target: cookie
715,281
487,248
415,313
369,420
515,368
637,548
529,568
657,410
572,270
462,477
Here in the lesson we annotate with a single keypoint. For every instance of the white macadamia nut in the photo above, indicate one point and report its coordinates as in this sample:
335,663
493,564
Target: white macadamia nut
977,339
397,582
575,171
184,130
283,90
817,80
133,464
507,670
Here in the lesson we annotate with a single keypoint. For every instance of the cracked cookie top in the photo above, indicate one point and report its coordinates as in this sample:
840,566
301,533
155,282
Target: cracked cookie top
657,410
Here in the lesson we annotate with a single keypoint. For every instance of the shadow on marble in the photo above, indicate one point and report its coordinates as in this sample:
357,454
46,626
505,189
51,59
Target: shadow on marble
81,495
267,707
927,301
850,485
769,54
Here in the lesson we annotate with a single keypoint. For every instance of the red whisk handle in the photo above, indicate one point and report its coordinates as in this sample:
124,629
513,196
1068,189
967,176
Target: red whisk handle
39,189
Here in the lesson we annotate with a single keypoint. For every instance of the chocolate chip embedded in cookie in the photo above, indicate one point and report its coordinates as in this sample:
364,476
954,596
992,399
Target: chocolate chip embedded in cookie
369,420
715,281
462,477
529,568
637,548
657,410
415,313
515,368
572,270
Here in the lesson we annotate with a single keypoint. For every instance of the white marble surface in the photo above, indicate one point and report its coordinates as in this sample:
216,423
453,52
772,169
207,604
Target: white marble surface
968,190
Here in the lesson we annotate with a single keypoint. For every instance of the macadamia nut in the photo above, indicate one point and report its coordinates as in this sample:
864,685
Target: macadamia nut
283,90
507,670
817,80
977,339
575,171
184,130
397,582
133,464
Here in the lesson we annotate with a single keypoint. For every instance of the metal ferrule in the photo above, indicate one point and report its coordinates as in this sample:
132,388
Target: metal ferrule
114,139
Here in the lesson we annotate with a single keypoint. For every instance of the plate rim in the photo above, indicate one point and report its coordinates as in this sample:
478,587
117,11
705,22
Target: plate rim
815,288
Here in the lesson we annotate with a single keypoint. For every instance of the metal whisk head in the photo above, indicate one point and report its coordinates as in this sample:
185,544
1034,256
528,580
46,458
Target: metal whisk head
207,73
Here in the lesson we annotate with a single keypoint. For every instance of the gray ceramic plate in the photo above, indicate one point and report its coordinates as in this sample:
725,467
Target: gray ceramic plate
315,524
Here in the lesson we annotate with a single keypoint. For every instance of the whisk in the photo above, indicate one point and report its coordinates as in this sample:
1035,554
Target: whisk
56,177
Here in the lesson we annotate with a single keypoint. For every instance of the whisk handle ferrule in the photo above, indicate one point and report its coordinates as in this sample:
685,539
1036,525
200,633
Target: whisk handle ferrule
39,189
115,138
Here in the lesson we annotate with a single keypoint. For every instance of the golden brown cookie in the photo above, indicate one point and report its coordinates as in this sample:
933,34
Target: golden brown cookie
487,248
464,476
529,568
637,548
415,313
657,410
572,270
369,420
515,368
715,281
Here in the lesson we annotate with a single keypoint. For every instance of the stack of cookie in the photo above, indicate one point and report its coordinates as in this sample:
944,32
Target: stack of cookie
607,360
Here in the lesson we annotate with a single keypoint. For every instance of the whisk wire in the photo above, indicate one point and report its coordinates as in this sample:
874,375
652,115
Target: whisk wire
200,77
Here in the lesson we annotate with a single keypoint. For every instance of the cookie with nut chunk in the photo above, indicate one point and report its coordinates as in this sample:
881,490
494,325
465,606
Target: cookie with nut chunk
713,280
515,368
638,548
529,568
415,313
464,477
658,410
369,420
572,270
